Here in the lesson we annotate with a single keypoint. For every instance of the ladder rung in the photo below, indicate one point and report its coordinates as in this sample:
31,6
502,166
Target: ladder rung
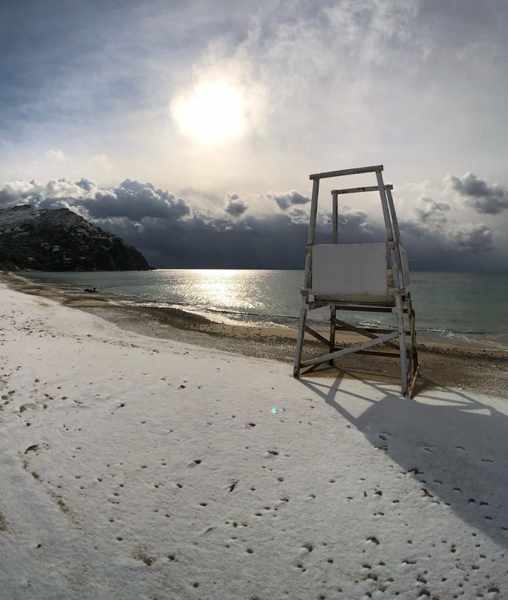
364,308
378,353
363,329
357,190
358,170
340,327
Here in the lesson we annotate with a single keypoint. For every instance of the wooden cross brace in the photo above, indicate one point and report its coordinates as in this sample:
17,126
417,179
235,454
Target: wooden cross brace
382,339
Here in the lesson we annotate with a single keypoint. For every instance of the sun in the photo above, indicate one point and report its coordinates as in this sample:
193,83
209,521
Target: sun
212,112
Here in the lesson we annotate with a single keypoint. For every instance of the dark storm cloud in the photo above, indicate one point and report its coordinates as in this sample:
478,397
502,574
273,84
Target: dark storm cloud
284,201
85,184
235,206
9,197
483,197
298,215
170,233
435,248
267,241
432,211
476,239
135,201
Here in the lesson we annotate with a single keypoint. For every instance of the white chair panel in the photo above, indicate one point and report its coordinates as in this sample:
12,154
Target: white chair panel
350,270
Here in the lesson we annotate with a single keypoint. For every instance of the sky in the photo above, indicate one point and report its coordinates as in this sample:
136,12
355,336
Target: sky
190,128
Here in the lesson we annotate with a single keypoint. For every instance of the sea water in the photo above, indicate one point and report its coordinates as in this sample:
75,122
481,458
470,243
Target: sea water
454,306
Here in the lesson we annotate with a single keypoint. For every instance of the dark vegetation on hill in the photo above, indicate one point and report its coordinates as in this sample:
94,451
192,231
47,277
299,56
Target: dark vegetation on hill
61,240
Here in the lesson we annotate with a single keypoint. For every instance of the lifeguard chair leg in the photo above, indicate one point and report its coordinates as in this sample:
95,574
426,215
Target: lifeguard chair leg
413,349
333,328
300,338
404,375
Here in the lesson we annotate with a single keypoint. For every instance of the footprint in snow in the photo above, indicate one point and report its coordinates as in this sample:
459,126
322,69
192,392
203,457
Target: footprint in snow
271,453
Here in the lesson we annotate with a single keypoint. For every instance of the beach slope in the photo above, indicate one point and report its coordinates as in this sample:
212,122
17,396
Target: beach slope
134,467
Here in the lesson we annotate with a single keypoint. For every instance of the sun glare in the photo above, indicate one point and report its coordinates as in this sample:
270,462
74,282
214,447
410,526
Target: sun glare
212,112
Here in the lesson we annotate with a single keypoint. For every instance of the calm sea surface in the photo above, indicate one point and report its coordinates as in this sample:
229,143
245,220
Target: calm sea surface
451,305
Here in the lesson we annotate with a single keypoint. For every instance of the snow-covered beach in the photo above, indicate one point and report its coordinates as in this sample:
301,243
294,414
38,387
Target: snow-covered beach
134,467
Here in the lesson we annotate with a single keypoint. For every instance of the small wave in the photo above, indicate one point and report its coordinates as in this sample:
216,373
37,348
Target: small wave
210,309
369,323
256,319
455,332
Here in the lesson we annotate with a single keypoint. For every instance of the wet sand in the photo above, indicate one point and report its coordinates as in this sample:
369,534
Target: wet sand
442,364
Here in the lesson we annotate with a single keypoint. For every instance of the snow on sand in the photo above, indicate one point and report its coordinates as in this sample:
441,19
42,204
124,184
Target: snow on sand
138,468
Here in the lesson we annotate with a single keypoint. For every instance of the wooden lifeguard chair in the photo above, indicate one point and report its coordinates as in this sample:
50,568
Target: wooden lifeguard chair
359,277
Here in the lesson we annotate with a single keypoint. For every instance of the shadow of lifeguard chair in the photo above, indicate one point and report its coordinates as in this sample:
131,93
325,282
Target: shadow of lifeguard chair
359,277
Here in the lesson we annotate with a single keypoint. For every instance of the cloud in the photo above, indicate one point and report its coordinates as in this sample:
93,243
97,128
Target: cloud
386,49
432,212
288,199
298,215
172,233
261,241
483,197
56,155
13,193
41,195
85,184
435,243
235,206
135,200
475,239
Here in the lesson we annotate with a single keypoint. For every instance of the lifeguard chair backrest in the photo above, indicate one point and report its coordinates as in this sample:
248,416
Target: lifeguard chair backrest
366,270
348,270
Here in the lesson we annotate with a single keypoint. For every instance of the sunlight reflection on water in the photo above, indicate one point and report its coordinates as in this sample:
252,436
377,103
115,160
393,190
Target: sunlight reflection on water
452,305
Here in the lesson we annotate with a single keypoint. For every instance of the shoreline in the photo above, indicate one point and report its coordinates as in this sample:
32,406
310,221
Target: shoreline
439,321
473,367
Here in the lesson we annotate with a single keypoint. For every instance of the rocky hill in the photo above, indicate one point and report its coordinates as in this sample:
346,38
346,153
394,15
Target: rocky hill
61,240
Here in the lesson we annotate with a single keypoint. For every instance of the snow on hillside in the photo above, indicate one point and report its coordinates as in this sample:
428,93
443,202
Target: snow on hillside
59,239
